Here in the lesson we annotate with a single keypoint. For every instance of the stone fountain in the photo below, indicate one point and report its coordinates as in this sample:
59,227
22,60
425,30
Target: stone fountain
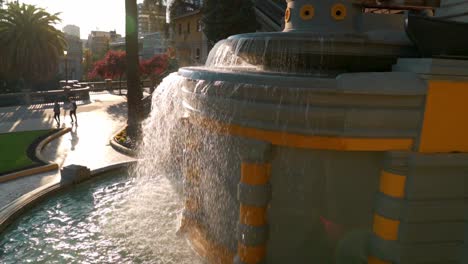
334,141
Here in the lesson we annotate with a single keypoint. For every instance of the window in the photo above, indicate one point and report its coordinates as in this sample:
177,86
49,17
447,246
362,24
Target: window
188,27
180,29
198,54
199,26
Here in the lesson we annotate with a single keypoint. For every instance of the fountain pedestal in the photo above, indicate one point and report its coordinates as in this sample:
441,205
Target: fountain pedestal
361,158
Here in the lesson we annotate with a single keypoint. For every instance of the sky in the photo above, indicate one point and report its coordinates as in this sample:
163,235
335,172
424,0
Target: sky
89,15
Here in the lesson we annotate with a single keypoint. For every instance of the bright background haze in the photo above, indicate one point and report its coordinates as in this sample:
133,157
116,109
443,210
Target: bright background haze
104,15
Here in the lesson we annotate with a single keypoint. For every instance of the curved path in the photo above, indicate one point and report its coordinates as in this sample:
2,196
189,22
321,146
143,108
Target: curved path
87,144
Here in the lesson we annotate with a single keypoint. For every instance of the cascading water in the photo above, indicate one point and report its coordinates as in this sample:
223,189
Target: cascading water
172,148
150,217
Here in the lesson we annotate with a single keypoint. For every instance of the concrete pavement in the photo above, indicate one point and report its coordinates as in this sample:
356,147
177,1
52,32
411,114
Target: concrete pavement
87,144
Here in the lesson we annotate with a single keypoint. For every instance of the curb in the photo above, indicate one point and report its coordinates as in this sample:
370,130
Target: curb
43,143
118,147
112,167
40,169
15,209
28,172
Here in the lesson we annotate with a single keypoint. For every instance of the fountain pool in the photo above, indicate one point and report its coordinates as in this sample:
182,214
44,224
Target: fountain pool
108,220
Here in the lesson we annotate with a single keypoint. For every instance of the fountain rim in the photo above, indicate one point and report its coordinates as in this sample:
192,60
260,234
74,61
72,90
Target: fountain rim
336,84
350,38
256,78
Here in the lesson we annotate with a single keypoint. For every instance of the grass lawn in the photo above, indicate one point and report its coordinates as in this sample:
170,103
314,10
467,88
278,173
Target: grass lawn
13,149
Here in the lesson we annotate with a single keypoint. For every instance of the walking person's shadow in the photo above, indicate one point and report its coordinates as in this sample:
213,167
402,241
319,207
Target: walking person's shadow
74,136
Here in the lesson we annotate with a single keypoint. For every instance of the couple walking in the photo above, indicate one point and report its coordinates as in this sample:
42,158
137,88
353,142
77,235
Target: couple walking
67,105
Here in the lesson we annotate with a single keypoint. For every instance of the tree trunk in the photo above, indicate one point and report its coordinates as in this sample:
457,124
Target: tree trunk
120,84
153,83
134,92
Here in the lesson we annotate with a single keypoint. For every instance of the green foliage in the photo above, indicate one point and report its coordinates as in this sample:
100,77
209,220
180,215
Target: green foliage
30,45
223,18
13,153
87,63
173,65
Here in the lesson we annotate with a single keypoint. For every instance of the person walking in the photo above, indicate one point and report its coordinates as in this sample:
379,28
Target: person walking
73,108
66,106
57,113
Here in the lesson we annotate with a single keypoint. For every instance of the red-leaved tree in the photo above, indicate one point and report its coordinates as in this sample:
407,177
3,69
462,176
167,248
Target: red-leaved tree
114,65
155,68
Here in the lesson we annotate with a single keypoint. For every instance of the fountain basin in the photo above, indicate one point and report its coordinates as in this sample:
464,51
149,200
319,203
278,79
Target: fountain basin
332,151
330,142
367,105
100,221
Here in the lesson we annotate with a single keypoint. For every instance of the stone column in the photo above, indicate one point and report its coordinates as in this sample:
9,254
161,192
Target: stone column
254,194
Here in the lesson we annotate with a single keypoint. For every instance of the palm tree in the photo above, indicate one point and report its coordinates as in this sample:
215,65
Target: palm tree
134,92
31,46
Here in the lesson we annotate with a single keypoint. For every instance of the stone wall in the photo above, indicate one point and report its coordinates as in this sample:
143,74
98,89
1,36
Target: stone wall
46,97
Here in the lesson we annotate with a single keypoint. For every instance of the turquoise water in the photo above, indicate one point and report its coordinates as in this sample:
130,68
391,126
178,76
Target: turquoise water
114,219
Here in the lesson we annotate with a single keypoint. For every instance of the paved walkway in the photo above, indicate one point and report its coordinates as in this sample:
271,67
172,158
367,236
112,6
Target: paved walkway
87,144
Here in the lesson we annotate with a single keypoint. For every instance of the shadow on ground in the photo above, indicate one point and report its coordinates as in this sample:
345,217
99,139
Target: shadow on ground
21,118
118,110
30,117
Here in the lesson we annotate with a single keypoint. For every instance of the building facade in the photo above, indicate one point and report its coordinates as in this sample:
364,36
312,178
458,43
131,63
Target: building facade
118,44
152,44
151,19
99,41
148,45
72,30
71,65
190,42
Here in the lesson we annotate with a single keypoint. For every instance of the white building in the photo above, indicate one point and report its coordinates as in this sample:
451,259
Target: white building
72,30
151,20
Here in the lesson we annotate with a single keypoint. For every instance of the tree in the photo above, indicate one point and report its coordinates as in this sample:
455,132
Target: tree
134,91
87,63
114,65
98,70
31,46
223,18
155,68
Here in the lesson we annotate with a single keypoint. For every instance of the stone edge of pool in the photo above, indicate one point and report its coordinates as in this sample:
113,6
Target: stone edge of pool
18,207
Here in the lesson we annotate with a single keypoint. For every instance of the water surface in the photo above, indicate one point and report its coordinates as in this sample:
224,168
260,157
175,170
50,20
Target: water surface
114,219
